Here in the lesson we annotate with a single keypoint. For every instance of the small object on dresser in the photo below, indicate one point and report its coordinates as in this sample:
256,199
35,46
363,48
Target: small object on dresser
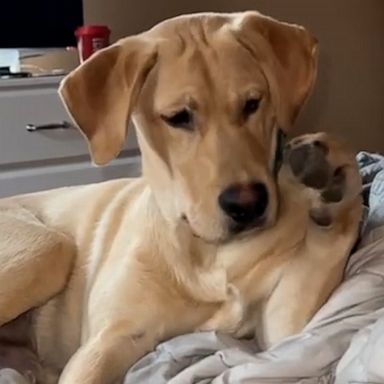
91,38
5,73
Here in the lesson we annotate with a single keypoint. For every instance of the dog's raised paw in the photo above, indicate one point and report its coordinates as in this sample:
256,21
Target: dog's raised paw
308,157
308,162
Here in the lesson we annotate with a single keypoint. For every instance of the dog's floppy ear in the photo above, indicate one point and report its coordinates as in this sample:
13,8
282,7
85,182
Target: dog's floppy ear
101,93
288,55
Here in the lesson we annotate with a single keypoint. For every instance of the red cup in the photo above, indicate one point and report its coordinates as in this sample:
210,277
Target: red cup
91,38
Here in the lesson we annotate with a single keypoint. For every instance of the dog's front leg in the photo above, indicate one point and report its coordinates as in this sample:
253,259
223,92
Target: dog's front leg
304,286
330,177
105,357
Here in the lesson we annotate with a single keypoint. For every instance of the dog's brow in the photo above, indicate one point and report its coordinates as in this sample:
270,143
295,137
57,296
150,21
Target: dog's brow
184,101
253,91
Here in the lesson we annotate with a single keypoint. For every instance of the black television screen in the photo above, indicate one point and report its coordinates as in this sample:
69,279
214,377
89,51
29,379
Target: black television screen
39,23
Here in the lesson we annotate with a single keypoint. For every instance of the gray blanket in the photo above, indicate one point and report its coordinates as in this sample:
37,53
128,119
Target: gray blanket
344,342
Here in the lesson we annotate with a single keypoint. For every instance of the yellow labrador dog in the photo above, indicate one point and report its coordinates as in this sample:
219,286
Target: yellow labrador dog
93,277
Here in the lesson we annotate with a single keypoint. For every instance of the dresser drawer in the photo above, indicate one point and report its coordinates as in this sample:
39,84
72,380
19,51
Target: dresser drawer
26,180
38,106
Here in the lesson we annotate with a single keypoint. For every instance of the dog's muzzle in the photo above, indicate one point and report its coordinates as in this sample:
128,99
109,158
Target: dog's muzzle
245,205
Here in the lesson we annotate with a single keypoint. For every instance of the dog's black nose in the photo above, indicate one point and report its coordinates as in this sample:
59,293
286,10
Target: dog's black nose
245,204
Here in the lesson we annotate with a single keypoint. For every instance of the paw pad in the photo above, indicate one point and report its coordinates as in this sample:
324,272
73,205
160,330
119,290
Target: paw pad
309,164
335,190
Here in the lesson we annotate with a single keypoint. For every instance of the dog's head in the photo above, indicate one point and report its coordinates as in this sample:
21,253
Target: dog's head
208,93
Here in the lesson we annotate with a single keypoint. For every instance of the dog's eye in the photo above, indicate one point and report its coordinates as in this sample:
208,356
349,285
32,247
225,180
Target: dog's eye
181,119
250,106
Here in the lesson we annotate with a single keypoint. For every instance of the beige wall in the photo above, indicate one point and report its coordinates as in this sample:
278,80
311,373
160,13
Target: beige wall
349,96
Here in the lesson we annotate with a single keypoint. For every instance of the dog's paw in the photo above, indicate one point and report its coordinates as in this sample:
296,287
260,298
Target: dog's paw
314,165
328,170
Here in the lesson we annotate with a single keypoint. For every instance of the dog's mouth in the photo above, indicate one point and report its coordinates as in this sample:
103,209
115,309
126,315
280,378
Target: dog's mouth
235,230
184,218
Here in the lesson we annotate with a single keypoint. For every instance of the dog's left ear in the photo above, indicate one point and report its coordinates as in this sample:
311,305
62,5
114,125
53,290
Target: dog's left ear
288,55
101,93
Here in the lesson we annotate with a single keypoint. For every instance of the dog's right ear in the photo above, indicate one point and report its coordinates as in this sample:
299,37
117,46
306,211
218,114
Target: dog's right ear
288,55
101,94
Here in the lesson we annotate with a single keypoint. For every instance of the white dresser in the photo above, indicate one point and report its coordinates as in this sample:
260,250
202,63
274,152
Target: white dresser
39,147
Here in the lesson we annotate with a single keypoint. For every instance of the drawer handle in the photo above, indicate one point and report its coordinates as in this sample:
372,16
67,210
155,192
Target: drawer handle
45,127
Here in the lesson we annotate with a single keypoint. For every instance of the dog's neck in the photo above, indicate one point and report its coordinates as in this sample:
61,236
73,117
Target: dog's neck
261,243
191,260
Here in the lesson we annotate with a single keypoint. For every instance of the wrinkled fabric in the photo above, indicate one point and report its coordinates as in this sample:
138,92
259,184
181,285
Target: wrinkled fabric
372,171
10,376
343,343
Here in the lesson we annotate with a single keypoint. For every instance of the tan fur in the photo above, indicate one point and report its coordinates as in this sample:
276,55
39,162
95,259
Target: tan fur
112,269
